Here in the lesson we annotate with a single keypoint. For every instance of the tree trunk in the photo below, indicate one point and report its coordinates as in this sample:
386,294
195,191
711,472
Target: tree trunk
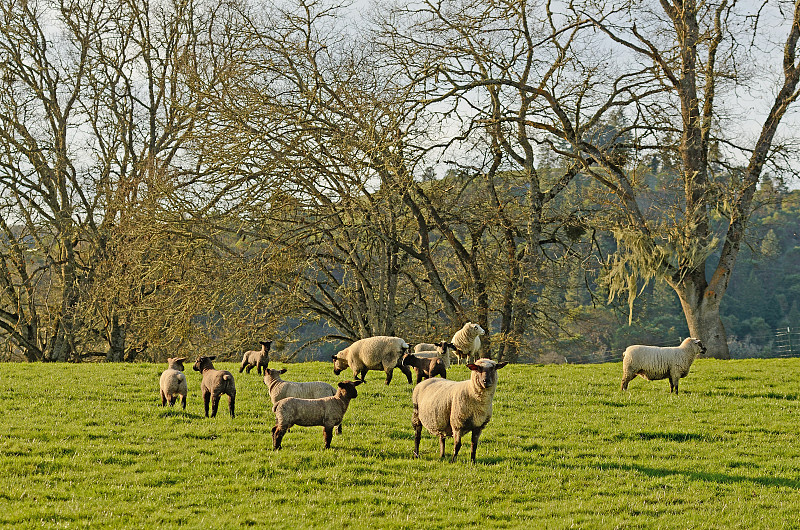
116,342
701,308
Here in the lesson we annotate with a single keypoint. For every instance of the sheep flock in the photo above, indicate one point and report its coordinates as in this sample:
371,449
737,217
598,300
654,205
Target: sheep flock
443,407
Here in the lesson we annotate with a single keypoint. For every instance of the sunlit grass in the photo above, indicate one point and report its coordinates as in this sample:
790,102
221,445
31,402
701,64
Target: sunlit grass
87,445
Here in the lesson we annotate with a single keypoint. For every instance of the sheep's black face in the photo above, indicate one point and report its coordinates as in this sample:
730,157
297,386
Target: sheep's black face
484,372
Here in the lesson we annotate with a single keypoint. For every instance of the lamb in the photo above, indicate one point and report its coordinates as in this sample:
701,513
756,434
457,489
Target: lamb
656,362
326,412
280,389
437,349
257,358
173,383
373,353
453,408
467,341
425,346
214,383
425,367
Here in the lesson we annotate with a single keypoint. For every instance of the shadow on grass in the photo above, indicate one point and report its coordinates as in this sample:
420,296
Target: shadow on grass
666,436
176,413
706,476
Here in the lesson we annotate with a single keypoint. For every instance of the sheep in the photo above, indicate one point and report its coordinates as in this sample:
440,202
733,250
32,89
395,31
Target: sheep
425,367
280,389
257,358
173,383
326,412
214,383
425,346
453,408
467,341
437,349
656,362
373,353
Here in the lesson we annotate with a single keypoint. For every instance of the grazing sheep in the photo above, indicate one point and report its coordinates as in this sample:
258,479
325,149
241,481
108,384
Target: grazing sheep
425,367
257,358
467,341
439,349
173,383
425,346
280,389
214,383
373,353
656,362
326,412
453,408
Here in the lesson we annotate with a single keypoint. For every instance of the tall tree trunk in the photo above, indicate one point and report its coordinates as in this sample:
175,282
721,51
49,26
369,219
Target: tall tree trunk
700,302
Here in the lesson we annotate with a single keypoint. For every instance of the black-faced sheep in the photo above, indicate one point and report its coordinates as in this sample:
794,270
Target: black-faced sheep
326,412
173,383
213,384
257,358
438,349
426,367
467,341
454,408
657,362
373,353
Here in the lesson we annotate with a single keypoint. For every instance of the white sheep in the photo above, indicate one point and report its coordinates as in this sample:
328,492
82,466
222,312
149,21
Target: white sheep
453,408
657,362
373,353
326,412
280,389
214,383
425,346
467,341
439,349
173,383
257,358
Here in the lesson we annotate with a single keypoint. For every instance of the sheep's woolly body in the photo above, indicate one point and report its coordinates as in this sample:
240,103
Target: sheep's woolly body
424,347
438,349
467,340
173,383
453,408
213,384
656,362
280,389
326,412
373,353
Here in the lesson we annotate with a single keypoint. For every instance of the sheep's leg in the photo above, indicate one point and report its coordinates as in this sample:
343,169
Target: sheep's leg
163,399
215,403
476,435
327,436
277,437
206,399
419,376
627,378
417,430
183,401
389,373
249,367
441,446
406,370
172,399
231,404
673,384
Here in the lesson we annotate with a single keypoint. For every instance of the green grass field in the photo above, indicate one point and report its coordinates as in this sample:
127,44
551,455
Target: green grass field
87,445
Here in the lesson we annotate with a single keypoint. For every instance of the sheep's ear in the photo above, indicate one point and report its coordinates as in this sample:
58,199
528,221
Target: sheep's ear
502,364
282,371
182,359
211,358
334,357
357,382
474,367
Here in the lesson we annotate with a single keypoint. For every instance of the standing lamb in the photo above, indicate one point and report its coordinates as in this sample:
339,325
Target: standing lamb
214,383
426,367
173,383
326,412
373,353
257,358
467,341
453,408
280,389
656,362
437,349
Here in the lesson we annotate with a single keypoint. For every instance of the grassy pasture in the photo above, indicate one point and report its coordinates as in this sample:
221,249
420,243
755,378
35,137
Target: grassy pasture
86,445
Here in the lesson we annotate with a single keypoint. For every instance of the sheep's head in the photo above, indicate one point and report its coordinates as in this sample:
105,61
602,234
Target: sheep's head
339,363
204,363
700,348
484,372
266,344
270,373
409,359
348,389
176,363
443,346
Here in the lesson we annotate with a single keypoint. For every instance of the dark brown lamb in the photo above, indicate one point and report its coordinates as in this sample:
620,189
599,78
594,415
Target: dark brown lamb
425,367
